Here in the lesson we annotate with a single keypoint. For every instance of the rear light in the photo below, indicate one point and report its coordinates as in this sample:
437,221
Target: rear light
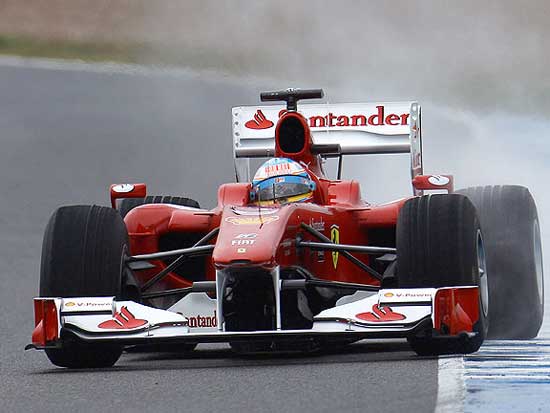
456,310
46,322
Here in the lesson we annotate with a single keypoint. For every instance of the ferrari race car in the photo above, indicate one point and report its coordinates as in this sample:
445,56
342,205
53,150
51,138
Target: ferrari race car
290,260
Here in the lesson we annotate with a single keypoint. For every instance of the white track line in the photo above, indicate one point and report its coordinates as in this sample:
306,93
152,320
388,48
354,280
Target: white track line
510,361
451,389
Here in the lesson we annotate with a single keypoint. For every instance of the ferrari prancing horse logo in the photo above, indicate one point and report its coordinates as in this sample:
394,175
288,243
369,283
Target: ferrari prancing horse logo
335,237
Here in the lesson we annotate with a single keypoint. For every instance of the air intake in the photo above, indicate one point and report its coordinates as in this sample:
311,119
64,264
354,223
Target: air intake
292,135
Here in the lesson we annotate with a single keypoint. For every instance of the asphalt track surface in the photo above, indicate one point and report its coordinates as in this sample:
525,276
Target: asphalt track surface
64,137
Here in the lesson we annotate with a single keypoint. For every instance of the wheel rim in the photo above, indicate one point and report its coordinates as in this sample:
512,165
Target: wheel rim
482,268
537,248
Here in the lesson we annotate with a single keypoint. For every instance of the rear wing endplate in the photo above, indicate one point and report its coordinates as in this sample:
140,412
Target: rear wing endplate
359,128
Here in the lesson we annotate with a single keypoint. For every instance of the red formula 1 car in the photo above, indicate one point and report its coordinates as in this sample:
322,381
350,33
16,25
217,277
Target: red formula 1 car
289,259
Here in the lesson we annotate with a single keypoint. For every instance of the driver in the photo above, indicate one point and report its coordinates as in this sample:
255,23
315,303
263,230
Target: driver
281,181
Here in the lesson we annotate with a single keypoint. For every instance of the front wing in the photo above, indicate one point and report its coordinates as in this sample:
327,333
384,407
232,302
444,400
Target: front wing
389,313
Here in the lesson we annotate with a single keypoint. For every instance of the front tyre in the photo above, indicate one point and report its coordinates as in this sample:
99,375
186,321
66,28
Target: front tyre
440,244
82,256
78,355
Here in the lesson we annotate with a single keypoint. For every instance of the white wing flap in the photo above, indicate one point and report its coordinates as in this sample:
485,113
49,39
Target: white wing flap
359,128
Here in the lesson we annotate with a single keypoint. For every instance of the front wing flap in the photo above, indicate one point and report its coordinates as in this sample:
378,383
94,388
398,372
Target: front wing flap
386,314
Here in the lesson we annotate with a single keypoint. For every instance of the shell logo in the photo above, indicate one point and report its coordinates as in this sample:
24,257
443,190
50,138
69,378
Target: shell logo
388,295
252,220
70,304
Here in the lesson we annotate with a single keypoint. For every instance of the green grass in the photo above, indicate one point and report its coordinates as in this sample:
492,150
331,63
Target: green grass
146,54
94,52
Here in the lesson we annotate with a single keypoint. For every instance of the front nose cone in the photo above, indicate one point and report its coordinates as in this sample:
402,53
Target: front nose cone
249,236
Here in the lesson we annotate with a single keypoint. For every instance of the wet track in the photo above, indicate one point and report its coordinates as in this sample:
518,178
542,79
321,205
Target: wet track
512,376
65,136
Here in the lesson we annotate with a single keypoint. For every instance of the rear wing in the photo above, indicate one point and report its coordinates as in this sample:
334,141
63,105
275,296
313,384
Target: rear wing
359,128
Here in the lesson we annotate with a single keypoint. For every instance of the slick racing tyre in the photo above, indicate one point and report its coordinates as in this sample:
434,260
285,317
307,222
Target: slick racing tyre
126,205
82,256
440,244
511,235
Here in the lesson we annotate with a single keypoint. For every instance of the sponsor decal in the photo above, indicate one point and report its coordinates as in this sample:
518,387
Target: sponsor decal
335,238
278,167
123,188
203,321
380,314
413,295
123,320
332,120
259,121
246,236
376,119
438,180
243,242
257,220
403,296
87,304
319,225
244,239
241,250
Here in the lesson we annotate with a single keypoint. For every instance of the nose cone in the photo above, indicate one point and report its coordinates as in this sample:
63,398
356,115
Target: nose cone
249,236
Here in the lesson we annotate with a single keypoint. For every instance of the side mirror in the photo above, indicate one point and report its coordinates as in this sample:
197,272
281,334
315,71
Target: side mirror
433,182
121,191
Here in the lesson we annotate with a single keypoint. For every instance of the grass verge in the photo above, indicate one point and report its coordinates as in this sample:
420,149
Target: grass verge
137,53
61,49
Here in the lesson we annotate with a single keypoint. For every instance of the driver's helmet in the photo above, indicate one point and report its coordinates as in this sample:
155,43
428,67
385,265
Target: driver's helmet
280,181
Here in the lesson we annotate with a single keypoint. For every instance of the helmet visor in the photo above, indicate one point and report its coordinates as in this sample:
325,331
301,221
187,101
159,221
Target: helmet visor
282,187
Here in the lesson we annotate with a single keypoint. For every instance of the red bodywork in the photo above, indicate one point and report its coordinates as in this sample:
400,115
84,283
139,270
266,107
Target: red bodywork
266,237
262,274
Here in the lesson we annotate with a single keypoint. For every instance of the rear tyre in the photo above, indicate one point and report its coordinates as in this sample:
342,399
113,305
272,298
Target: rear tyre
126,205
509,219
439,244
82,256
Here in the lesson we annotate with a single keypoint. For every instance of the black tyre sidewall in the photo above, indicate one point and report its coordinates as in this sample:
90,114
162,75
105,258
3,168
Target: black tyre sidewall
78,355
437,239
82,252
82,256
507,214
